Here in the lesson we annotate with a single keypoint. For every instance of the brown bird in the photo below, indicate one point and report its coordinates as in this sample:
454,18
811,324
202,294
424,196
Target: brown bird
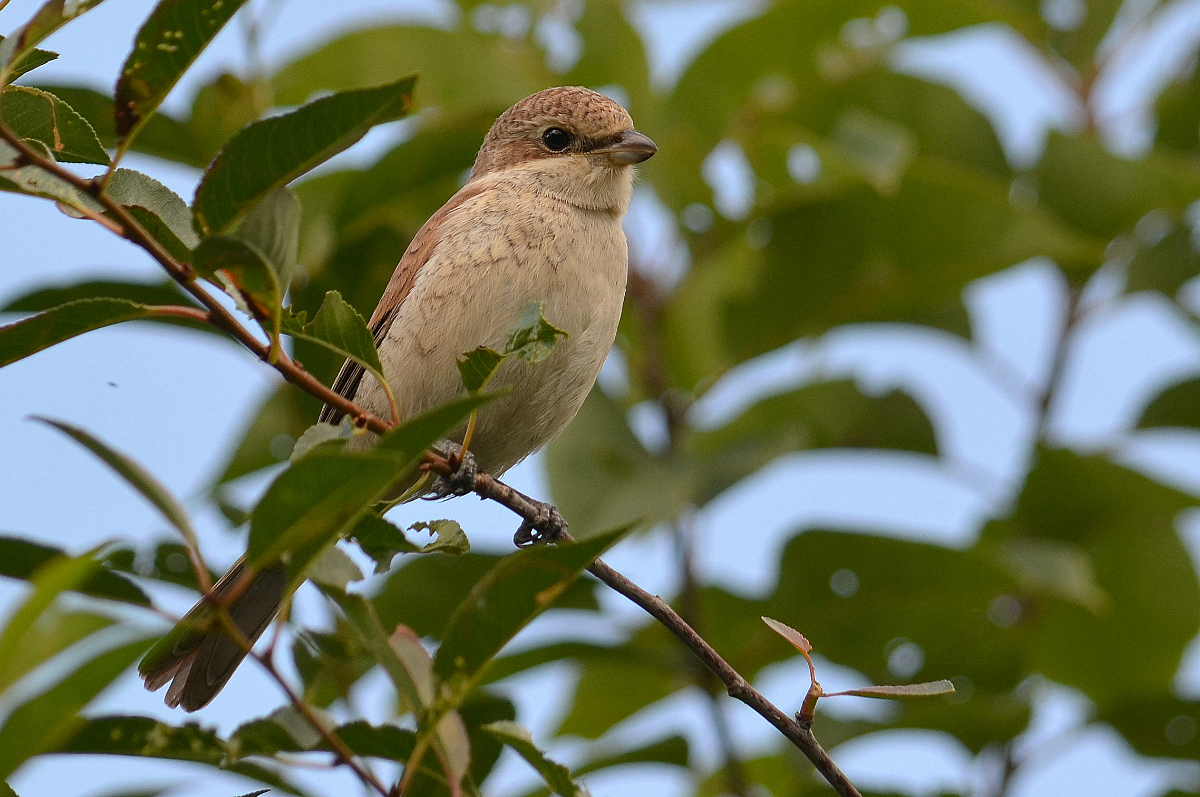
539,220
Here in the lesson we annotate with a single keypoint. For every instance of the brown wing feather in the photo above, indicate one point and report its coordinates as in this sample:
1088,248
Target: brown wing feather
398,287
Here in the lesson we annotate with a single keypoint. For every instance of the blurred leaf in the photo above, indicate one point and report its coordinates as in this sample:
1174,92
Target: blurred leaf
30,335
601,475
1159,725
274,151
424,593
135,476
325,436
861,598
613,53
822,415
334,568
460,69
41,724
448,535
1178,115
165,46
509,596
1103,194
23,558
39,115
32,60
1178,405
58,630
557,777
146,737
273,228
272,432
243,273
1124,523
49,17
857,257
1166,265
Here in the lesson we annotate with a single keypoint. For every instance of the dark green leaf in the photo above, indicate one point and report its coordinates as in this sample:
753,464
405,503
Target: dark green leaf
1166,264
165,46
52,15
1160,725
1178,405
381,540
1178,115
338,327
557,777
519,588
22,559
41,724
31,335
135,476
1104,194
39,115
274,151
244,274
478,366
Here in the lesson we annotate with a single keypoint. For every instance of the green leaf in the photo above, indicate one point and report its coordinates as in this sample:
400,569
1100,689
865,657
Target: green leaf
148,738
449,537
557,777
42,723
1159,725
514,592
478,366
137,191
273,228
39,115
533,338
1166,264
23,558
274,151
30,335
165,46
380,540
135,476
1104,194
1178,406
32,60
325,493
33,180
1178,115
52,15
244,274
338,327
57,630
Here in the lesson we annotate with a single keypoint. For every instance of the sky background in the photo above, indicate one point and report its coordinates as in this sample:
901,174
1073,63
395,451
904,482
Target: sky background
153,391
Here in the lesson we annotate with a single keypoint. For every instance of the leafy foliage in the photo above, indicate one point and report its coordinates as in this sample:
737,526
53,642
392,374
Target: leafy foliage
873,201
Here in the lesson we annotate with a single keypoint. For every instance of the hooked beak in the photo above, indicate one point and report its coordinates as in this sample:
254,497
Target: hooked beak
629,148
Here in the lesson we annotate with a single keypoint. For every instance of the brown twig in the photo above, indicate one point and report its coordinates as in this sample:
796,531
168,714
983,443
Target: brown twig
539,515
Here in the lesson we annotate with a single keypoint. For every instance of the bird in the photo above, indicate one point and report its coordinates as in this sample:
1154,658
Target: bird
538,220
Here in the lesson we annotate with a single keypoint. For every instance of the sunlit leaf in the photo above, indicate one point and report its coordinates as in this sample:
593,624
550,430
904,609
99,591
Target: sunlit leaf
39,115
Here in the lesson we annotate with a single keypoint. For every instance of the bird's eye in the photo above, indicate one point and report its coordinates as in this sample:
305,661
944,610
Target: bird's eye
556,139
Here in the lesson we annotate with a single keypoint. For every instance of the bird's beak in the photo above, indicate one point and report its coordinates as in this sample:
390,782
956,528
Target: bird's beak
629,148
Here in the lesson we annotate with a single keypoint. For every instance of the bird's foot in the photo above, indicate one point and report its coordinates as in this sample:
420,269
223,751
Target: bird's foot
462,480
547,525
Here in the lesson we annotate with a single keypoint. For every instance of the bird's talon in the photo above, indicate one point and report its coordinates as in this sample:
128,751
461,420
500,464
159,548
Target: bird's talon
462,480
547,526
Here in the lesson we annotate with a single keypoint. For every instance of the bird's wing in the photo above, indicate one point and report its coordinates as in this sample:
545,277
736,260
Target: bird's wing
398,288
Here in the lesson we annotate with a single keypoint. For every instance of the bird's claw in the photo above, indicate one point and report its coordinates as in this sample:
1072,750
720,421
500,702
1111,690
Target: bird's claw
546,526
462,480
